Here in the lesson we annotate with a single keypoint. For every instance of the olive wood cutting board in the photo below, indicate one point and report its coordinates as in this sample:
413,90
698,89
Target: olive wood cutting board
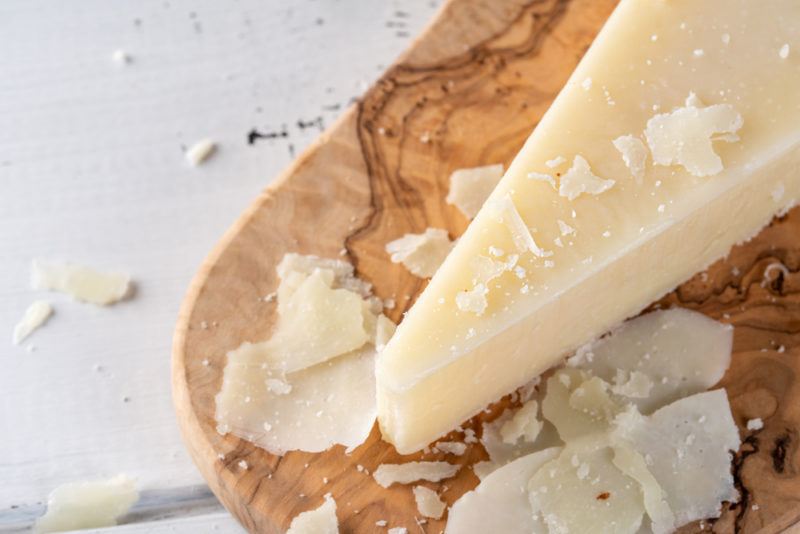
467,93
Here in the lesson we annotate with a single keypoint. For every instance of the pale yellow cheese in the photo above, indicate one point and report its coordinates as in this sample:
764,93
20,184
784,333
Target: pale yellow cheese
321,520
722,132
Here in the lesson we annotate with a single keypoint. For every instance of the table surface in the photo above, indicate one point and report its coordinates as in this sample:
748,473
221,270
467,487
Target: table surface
93,171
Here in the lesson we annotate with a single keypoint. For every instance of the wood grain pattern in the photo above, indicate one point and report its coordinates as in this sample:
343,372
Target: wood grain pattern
467,93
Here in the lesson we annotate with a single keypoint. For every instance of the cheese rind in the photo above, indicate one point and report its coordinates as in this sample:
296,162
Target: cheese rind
631,243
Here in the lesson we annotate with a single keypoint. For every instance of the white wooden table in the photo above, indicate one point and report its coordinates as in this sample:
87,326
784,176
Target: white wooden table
92,171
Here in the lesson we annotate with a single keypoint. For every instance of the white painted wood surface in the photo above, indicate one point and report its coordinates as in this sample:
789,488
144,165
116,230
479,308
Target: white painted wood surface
92,171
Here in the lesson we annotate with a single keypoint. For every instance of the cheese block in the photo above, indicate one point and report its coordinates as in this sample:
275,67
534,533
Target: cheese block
677,136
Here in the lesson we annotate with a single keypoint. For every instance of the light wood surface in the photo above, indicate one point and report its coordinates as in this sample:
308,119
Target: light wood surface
467,93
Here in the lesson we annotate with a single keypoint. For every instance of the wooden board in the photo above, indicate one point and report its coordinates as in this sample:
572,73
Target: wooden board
467,93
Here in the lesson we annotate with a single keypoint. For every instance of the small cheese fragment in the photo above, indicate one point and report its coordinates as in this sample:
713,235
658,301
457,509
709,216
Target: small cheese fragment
500,502
582,489
755,424
469,188
451,447
684,136
388,474
421,254
35,316
200,152
79,282
687,447
579,179
680,351
634,154
398,530
524,423
660,232
321,520
428,502
82,505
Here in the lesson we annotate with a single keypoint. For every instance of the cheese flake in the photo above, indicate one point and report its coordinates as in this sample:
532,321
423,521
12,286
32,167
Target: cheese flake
79,282
428,502
469,188
90,504
634,155
388,474
35,316
579,179
684,136
199,152
321,520
421,254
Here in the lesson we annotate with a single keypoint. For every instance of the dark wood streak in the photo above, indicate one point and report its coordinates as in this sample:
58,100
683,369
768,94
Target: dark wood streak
779,453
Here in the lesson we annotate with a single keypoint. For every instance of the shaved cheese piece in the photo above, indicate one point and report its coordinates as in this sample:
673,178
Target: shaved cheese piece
451,447
81,283
469,188
634,154
578,404
502,452
500,502
687,447
327,404
200,152
82,505
321,520
582,489
421,254
524,423
473,300
682,352
388,474
428,502
506,212
630,462
579,179
315,323
343,273
35,316
684,136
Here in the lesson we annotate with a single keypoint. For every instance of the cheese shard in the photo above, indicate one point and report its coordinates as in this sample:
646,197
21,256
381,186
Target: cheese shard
687,447
469,188
91,504
421,254
428,502
321,520
79,282
500,502
670,353
631,243
35,316
388,474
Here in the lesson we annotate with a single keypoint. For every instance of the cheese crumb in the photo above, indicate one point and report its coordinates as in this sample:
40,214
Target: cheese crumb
755,424
81,283
525,423
451,447
473,300
84,505
586,84
421,254
321,520
35,316
684,136
783,53
634,154
381,523
469,188
543,178
388,474
564,228
428,502
579,179
243,464
555,162
278,386
121,57
398,530
200,152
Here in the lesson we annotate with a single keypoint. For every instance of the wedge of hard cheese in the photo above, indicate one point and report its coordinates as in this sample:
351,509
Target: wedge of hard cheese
677,137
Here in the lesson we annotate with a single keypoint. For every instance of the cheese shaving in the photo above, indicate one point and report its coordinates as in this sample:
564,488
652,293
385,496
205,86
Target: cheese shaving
82,505
684,136
421,254
500,502
634,154
321,520
428,502
79,282
35,316
469,188
388,474
579,179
